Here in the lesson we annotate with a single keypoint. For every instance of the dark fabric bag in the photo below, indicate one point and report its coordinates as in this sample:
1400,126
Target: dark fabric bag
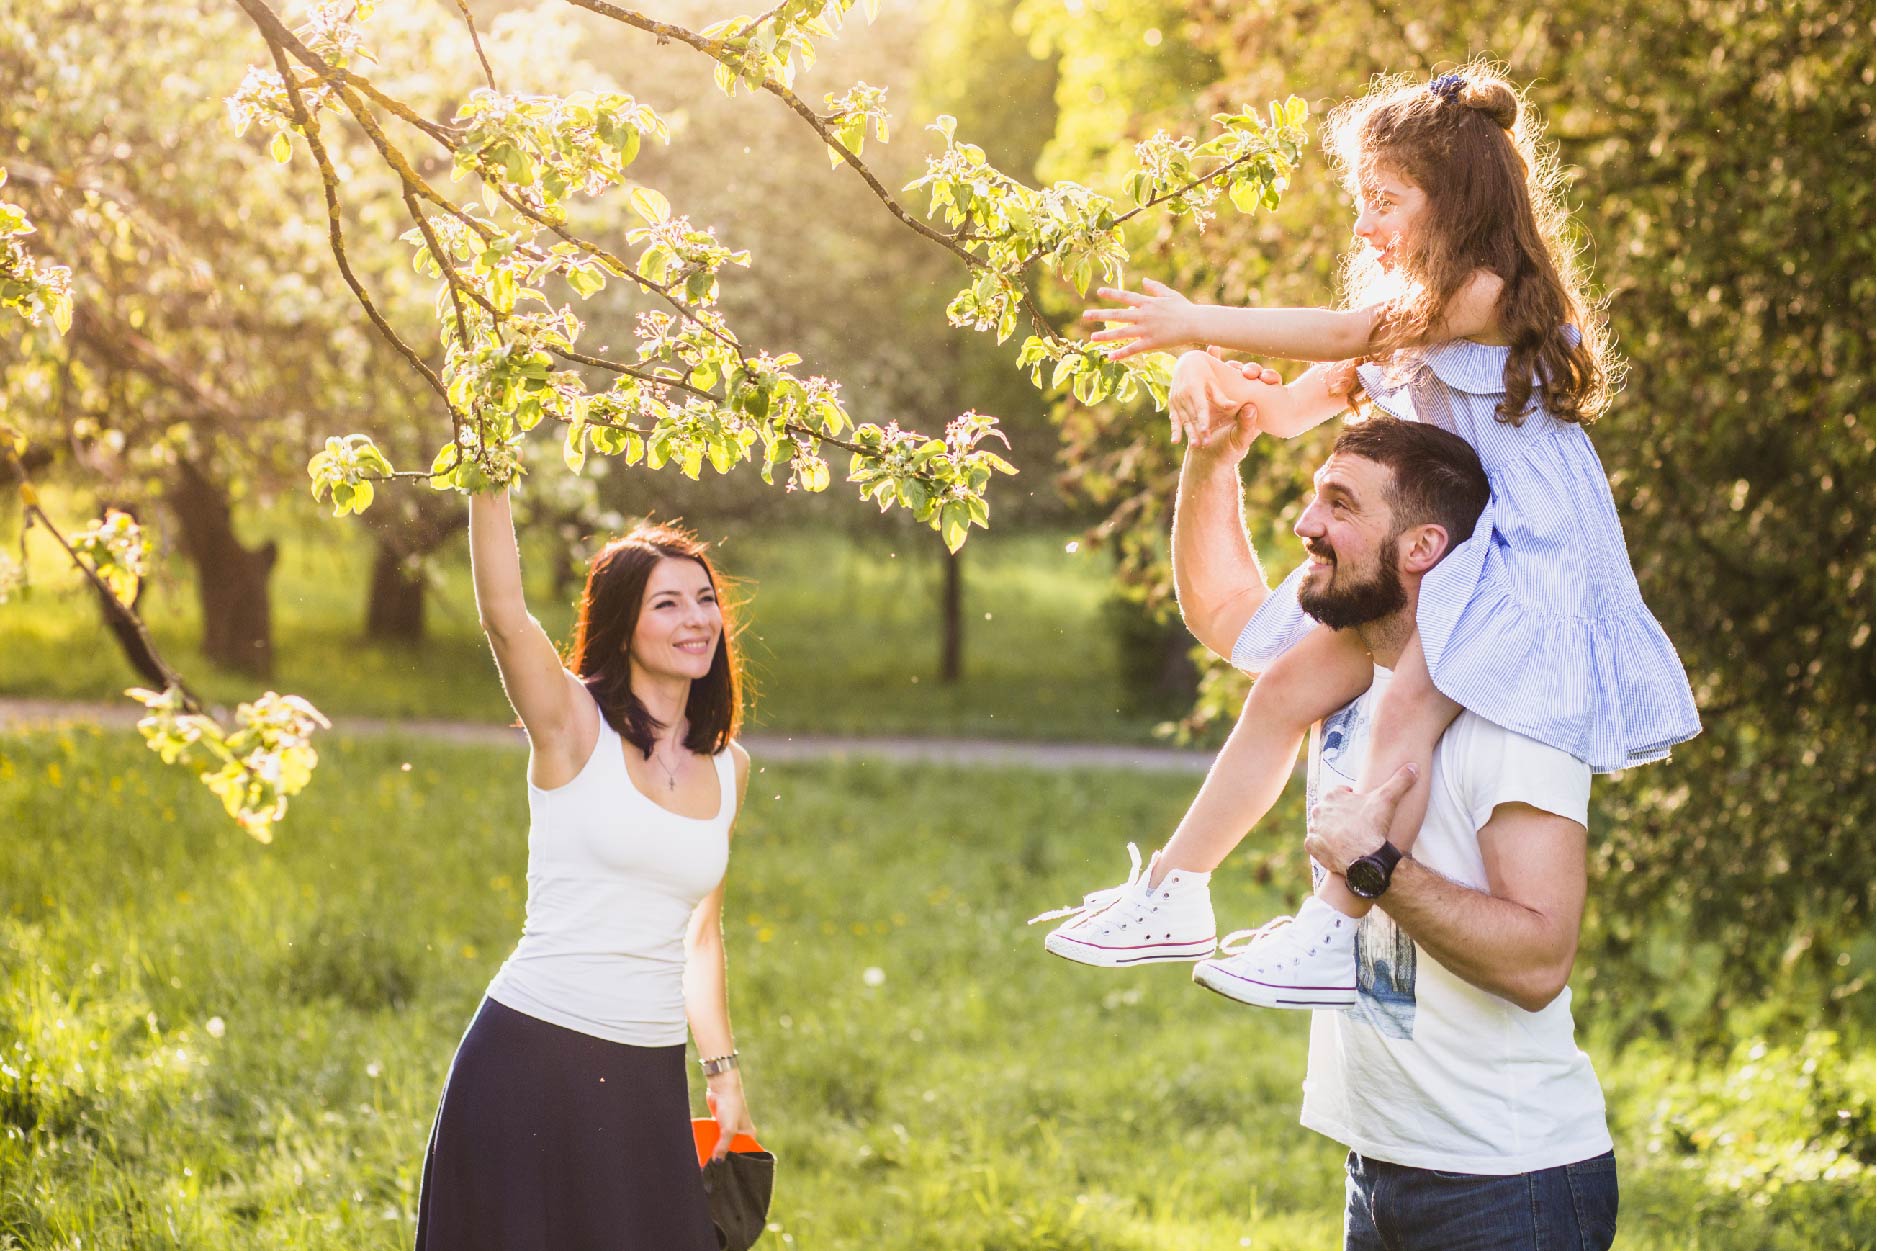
740,1186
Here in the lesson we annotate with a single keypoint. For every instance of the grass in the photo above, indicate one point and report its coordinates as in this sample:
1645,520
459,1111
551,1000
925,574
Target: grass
210,1044
842,635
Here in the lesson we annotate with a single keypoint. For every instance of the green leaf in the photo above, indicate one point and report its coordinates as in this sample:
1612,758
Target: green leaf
575,452
953,526
502,290
649,204
281,148
586,281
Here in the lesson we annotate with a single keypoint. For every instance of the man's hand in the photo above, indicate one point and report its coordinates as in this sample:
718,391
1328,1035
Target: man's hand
1213,405
1346,826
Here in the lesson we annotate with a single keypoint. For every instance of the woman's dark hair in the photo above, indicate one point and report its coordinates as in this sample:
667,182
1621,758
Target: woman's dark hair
608,615
1494,204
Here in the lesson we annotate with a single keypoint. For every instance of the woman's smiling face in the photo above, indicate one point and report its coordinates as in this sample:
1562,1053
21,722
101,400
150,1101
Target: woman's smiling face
680,622
1388,213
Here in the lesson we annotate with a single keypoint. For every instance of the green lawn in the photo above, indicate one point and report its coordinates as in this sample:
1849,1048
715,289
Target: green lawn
210,1044
842,636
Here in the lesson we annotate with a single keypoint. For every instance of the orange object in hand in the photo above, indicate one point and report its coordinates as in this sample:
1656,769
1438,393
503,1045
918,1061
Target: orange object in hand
705,1131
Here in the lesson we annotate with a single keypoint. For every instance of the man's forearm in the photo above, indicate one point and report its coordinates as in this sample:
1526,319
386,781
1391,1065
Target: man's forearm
1216,575
1500,946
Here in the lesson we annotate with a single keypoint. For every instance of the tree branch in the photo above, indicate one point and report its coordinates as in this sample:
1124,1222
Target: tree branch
123,613
468,20
279,38
335,230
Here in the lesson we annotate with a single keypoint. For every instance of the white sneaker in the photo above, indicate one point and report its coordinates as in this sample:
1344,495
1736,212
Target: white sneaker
1133,924
1304,962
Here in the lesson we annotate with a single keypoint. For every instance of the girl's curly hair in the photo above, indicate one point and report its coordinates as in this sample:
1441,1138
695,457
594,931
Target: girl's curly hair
1494,204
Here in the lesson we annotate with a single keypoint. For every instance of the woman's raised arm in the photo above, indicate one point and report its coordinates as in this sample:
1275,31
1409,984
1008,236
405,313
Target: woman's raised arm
541,691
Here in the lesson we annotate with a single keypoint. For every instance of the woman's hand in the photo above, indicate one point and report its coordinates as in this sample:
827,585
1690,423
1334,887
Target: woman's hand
725,1098
1158,321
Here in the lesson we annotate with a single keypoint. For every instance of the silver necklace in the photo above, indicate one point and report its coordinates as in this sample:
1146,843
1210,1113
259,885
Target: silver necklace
671,774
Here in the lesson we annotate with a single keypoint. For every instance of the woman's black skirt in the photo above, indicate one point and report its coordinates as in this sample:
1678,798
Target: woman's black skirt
548,1139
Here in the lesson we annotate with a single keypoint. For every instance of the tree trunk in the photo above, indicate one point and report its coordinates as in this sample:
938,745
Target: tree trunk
231,580
952,613
404,530
395,613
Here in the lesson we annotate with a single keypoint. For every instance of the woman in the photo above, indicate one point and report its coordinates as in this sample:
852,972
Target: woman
565,1122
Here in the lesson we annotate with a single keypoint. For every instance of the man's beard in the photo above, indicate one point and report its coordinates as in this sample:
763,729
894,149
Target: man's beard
1353,600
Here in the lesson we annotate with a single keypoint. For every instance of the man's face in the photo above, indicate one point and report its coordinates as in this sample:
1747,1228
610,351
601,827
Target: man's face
1349,531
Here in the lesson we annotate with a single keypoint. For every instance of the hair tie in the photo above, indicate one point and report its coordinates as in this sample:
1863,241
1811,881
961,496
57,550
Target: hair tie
1447,87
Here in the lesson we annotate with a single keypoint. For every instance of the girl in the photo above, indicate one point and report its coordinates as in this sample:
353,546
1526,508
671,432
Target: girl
565,1122
1468,311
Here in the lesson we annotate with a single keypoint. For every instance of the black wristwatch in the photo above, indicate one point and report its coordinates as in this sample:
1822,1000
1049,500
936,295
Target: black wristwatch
1368,876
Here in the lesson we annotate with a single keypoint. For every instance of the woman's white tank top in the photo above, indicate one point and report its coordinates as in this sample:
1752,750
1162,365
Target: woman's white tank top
612,881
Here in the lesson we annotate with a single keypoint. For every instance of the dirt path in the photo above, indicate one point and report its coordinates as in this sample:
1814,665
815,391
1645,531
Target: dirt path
20,713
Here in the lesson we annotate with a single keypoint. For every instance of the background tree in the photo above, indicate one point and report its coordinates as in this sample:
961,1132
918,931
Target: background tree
195,268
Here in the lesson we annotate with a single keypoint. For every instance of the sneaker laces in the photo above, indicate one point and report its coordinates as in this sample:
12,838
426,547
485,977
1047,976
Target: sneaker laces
1238,940
1095,901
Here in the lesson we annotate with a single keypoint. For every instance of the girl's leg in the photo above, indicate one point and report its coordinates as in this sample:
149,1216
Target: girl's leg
1412,717
1324,671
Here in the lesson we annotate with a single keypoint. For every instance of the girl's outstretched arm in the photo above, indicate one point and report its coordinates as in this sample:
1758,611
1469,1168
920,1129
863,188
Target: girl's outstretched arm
1209,395
1309,400
1160,319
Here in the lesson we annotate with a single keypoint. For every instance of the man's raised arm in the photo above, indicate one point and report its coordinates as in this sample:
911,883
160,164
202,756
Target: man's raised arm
1215,571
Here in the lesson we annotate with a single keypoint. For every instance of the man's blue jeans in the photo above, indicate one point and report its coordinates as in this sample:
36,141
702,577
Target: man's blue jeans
1395,1208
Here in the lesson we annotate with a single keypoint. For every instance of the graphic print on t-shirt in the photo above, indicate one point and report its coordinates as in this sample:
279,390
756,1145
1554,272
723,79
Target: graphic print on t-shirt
1385,956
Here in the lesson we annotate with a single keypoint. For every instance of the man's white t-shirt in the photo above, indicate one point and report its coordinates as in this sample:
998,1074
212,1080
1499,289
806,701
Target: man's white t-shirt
1426,1070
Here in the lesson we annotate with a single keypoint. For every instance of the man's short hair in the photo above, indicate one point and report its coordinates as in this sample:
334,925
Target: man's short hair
1436,476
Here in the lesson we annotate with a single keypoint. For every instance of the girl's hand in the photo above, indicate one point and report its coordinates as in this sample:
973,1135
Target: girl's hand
725,1098
1158,321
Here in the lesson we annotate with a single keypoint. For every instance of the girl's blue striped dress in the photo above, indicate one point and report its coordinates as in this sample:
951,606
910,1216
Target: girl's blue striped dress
1535,622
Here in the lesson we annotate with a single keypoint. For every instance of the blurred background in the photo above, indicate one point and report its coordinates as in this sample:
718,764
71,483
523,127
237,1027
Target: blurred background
1719,163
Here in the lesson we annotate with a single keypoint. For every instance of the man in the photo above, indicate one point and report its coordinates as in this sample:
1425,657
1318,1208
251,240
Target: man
1472,1118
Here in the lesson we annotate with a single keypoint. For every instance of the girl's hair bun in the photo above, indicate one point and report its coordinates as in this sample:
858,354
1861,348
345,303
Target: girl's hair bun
1493,98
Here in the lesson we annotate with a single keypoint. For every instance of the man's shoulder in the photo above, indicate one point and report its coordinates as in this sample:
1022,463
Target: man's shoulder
1485,764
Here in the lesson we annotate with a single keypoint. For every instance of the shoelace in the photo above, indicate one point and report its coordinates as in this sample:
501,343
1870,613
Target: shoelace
1238,940
1095,901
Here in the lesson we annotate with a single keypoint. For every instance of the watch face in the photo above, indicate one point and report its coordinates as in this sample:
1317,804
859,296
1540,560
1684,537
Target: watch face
1366,878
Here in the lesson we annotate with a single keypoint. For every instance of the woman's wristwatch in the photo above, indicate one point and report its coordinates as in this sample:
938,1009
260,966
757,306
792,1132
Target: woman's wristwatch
718,1064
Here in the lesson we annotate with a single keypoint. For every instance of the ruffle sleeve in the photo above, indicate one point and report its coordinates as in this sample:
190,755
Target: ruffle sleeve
1274,629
